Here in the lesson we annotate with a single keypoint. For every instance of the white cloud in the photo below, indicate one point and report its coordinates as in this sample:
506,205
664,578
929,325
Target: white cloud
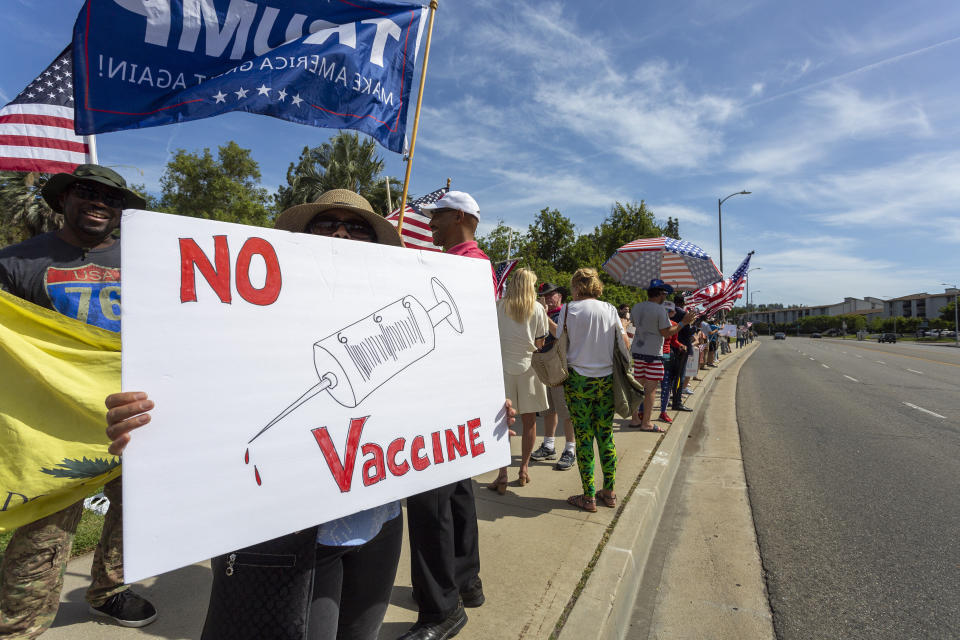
828,118
756,89
686,215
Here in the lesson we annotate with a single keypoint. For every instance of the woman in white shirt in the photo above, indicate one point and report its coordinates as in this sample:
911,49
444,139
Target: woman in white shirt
595,331
523,327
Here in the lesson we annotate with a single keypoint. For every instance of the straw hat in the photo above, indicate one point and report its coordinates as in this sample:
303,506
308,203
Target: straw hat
297,218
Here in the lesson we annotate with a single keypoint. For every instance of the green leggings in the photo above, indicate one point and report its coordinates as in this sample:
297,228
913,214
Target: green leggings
590,401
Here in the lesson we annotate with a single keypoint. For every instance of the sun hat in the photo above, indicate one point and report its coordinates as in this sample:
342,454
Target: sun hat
547,288
657,283
457,200
297,217
90,173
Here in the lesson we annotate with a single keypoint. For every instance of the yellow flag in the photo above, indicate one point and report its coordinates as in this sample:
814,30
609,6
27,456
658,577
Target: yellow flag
56,373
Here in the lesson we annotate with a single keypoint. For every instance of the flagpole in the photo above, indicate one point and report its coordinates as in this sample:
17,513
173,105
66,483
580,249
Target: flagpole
92,146
389,199
416,120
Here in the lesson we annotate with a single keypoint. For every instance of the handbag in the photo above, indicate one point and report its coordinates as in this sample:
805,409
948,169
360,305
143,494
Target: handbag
550,362
263,591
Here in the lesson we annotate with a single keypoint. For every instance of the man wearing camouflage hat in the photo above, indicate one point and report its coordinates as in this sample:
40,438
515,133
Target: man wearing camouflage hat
75,271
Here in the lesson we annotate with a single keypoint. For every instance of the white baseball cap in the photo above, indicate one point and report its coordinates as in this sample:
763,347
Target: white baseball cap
457,200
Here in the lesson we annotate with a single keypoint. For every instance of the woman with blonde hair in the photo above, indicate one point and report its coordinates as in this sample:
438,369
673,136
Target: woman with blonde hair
594,331
523,327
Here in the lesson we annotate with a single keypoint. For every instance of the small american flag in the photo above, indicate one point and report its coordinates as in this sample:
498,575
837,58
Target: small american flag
500,274
721,296
416,226
36,128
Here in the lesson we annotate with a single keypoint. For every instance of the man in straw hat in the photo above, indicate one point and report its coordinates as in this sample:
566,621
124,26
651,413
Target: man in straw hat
84,255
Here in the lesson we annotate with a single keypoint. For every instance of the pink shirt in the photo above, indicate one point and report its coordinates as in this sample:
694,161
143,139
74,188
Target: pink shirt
471,249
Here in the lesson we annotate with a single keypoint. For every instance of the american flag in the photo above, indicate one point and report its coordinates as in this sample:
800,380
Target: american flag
501,272
416,226
720,296
36,128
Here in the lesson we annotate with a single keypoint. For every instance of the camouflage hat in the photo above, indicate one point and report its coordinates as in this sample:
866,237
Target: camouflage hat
91,173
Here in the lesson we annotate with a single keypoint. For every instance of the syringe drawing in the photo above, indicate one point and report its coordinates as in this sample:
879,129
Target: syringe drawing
359,358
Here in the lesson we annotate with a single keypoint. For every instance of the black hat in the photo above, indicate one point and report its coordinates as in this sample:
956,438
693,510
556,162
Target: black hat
547,287
91,173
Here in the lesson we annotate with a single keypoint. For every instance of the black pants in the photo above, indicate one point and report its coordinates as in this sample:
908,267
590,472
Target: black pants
678,364
444,547
352,585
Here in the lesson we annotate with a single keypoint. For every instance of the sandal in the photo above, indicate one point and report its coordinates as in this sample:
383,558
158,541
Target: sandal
609,498
523,479
583,502
499,485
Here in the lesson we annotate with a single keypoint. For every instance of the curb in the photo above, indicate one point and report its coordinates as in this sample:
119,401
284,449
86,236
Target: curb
604,607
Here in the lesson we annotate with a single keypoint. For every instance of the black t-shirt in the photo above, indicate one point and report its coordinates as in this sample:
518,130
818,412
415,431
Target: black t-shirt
685,335
52,273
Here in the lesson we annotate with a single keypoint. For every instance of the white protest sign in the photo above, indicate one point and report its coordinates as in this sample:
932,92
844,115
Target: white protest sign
297,379
728,331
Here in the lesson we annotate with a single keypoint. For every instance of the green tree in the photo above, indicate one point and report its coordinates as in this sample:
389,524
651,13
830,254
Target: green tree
225,188
344,162
624,223
23,211
672,228
550,238
946,312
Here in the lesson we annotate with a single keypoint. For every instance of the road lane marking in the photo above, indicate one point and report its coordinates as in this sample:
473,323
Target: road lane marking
915,371
880,362
907,355
844,352
824,366
859,356
849,378
813,359
913,406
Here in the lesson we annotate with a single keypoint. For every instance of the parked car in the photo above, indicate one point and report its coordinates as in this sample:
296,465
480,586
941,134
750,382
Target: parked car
779,335
887,337
815,335
947,332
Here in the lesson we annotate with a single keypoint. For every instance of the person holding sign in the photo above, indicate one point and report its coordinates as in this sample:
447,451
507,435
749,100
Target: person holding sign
355,556
75,271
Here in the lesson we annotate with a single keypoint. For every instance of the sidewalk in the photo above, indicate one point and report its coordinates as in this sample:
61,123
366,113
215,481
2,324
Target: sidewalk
548,569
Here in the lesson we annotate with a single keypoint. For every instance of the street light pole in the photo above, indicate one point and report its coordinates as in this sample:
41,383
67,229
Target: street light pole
749,301
720,220
956,327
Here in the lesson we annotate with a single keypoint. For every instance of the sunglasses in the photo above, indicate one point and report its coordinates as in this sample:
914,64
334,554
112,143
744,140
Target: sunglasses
86,192
329,226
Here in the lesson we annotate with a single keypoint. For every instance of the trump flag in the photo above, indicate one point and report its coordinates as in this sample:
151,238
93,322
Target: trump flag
339,64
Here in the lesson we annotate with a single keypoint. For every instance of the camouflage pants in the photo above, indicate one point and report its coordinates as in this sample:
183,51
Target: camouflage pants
36,560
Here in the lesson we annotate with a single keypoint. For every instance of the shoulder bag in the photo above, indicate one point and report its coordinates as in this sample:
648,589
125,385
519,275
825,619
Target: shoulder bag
263,591
550,362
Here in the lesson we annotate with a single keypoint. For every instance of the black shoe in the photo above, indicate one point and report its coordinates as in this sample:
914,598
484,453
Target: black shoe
127,608
437,630
472,597
682,407
566,461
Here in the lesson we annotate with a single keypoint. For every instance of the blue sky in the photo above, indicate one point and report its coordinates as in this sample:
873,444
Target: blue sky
841,119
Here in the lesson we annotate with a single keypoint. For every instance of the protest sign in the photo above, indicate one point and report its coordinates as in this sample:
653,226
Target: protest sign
728,331
337,64
297,379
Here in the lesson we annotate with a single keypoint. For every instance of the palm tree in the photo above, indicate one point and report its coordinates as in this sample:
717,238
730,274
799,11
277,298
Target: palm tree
23,212
344,162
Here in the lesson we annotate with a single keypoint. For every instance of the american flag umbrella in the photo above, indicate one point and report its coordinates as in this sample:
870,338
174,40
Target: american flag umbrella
681,264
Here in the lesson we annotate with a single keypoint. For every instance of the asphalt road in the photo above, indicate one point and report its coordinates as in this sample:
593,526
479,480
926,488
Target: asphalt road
852,458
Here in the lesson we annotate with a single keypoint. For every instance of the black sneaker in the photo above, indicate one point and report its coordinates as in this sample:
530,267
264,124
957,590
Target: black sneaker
473,597
127,608
543,453
566,460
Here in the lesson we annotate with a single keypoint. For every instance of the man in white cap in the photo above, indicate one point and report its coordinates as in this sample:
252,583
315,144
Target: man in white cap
442,522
